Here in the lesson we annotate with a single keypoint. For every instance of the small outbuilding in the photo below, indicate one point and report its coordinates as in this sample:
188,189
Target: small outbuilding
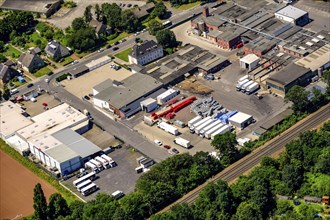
240,120
249,62
30,95
148,104
312,199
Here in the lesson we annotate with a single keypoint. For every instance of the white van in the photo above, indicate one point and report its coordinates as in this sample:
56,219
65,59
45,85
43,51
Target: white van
13,91
118,194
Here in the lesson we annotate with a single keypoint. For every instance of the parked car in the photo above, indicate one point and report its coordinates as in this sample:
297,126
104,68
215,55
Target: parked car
137,40
167,146
258,96
129,5
86,97
29,85
108,46
50,73
115,48
174,150
116,43
158,142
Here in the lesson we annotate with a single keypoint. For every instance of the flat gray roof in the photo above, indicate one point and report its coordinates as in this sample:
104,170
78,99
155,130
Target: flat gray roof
288,74
291,12
61,153
76,143
103,85
131,89
276,119
28,5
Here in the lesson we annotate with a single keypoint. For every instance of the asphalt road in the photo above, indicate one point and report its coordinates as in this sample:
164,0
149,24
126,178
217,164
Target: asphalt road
245,164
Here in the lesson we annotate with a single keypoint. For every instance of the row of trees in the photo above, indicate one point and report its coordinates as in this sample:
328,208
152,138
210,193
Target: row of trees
163,184
253,196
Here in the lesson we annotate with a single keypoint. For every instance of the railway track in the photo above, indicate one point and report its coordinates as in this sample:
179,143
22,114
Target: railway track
254,158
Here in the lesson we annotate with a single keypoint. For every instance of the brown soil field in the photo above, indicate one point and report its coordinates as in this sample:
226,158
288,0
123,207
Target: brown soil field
16,188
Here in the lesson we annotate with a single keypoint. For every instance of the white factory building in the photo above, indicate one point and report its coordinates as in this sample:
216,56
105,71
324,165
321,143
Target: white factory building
240,120
53,136
249,62
292,15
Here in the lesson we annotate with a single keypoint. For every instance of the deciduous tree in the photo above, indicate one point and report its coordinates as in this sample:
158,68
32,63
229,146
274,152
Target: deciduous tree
39,203
226,145
88,14
166,38
299,98
57,207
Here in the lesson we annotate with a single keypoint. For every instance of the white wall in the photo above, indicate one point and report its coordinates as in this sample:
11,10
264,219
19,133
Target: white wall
100,103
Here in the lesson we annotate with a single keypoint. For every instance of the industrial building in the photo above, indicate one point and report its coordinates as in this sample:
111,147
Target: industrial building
79,71
145,53
166,96
45,7
293,15
249,62
191,59
124,98
149,105
280,82
98,63
240,120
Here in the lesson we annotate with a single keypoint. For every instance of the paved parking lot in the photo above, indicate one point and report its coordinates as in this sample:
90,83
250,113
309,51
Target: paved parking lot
100,138
35,108
121,177
84,84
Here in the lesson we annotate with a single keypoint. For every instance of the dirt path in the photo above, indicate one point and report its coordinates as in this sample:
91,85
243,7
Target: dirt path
16,188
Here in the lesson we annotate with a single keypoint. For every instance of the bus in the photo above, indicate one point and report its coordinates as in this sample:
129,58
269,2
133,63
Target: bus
90,176
83,184
89,189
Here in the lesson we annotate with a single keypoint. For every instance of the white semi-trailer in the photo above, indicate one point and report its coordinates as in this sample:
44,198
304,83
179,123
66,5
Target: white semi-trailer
194,120
109,159
205,124
211,131
105,163
244,86
239,84
210,126
98,164
222,130
192,128
243,78
182,142
93,167
252,88
168,128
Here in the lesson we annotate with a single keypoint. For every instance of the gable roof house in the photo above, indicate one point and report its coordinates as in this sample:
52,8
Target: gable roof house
143,11
30,62
99,27
56,51
6,73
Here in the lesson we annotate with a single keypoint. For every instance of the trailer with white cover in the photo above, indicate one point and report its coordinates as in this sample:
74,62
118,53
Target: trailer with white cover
90,176
168,128
243,78
192,128
98,164
239,84
89,189
93,167
222,130
182,142
211,131
252,88
210,126
244,86
205,124
194,120
103,161
109,159
240,120
83,184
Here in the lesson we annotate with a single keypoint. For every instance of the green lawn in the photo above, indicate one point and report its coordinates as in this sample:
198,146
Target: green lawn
145,23
119,37
43,71
187,6
66,61
124,54
12,52
82,54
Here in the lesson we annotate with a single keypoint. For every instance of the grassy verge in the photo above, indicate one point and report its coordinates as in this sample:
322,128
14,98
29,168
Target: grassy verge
82,54
12,52
43,71
124,54
37,171
119,37
66,61
187,6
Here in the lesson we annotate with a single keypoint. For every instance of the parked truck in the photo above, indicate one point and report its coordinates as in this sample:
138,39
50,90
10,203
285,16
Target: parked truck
211,131
112,163
210,126
168,128
91,166
222,130
98,164
239,84
244,86
182,142
194,120
192,128
252,88
104,162
243,78
205,124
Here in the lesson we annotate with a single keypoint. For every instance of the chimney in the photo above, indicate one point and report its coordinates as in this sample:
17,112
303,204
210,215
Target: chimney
206,11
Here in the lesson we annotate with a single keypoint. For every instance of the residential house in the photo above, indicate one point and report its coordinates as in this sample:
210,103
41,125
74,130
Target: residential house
145,53
99,27
143,11
56,51
7,73
30,62
35,50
